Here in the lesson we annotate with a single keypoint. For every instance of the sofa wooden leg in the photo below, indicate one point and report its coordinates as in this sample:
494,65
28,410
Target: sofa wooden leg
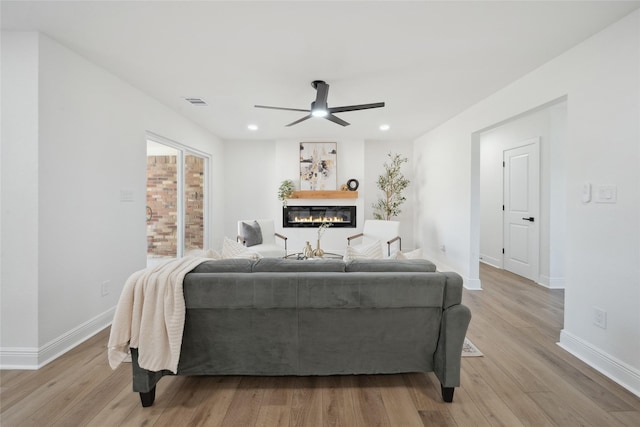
447,393
148,397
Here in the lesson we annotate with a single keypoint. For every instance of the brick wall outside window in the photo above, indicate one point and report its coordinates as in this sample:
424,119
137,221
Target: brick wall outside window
162,200
194,202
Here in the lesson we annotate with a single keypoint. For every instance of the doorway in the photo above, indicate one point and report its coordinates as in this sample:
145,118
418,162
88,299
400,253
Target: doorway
176,200
546,125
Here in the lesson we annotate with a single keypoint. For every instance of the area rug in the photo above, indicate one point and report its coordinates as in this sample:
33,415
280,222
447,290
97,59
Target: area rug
470,350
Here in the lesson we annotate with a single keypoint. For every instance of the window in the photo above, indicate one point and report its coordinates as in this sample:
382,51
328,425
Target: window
176,199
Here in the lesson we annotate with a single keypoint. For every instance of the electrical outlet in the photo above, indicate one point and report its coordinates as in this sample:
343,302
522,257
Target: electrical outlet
105,288
599,317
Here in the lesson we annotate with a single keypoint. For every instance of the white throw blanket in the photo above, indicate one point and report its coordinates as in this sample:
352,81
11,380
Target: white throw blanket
150,316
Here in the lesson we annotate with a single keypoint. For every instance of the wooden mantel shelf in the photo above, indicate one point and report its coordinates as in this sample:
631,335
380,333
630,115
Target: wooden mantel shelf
325,194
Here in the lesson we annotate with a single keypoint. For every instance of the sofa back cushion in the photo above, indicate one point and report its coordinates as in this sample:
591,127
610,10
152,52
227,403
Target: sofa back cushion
230,265
331,290
371,290
390,265
279,265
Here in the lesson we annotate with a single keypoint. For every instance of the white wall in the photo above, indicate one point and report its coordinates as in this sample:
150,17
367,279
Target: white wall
90,146
255,169
19,171
601,78
548,125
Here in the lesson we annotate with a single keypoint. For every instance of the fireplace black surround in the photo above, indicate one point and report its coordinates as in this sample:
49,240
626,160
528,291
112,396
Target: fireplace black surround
313,216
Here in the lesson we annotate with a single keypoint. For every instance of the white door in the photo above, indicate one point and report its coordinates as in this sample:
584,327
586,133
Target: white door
522,209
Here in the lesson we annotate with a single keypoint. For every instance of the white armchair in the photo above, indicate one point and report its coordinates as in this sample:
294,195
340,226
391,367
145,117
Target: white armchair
387,232
268,248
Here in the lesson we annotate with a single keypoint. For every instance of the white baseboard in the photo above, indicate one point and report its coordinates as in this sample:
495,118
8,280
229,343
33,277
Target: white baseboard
616,370
551,282
18,358
470,284
31,358
493,262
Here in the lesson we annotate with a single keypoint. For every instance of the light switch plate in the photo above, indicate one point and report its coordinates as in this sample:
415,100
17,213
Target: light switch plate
606,194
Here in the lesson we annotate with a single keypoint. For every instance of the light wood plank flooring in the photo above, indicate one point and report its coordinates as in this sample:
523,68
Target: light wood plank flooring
523,379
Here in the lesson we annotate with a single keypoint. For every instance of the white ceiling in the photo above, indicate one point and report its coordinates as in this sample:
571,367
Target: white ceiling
427,60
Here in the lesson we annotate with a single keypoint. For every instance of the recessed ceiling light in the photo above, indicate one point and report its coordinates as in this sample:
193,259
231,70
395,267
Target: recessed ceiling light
252,127
384,127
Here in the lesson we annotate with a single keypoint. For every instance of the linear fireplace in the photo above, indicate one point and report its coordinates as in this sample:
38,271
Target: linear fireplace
313,216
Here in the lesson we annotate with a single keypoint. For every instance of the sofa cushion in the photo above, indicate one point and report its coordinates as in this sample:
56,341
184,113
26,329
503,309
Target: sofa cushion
293,265
237,265
366,290
414,254
241,290
390,265
251,233
368,251
232,249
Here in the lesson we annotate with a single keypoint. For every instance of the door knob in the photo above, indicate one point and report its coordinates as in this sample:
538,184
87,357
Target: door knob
530,219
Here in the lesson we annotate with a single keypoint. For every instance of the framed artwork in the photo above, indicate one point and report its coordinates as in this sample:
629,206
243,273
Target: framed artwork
318,166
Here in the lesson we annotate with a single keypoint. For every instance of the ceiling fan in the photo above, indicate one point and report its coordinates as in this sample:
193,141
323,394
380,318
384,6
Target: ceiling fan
319,107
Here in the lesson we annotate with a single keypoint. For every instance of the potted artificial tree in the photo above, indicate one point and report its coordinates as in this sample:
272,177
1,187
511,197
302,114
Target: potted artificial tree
392,183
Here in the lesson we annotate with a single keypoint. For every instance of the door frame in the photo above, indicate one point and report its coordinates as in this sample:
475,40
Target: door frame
553,161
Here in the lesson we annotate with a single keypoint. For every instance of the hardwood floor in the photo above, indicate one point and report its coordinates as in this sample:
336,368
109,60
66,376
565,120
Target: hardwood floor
524,378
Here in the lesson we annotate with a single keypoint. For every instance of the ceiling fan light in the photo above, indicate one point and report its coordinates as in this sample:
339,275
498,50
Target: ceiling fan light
319,113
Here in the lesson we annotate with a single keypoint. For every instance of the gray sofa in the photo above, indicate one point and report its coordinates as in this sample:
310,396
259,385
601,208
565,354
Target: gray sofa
318,317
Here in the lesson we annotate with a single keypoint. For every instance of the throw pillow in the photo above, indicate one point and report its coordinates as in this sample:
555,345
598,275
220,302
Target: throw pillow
251,233
212,254
371,251
233,249
414,254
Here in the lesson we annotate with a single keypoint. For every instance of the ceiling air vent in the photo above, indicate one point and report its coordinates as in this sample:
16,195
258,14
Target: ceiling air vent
197,101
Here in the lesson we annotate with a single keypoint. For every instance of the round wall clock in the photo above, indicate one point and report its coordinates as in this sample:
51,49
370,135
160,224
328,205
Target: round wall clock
353,184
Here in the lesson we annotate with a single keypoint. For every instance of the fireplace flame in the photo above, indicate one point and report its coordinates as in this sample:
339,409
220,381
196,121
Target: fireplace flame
318,219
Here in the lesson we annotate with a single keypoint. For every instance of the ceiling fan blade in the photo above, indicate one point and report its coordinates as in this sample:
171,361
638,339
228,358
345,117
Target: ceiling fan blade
308,116
281,108
337,120
356,107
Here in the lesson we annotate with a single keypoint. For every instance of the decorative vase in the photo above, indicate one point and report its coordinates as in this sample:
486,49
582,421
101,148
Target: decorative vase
318,252
307,251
